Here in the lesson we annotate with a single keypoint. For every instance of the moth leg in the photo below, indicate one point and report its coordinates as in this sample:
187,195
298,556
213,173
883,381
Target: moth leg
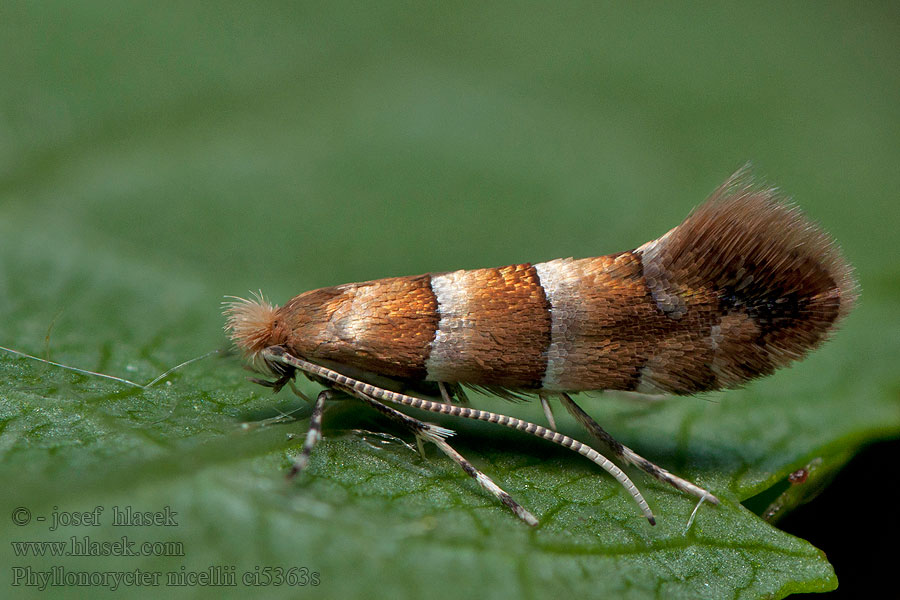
629,455
449,391
437,436
548,411
281,354
693,515
487,483
313,435
281,417
426,431
298,392
445,395
420,445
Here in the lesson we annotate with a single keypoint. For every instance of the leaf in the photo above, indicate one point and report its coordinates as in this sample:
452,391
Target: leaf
156,160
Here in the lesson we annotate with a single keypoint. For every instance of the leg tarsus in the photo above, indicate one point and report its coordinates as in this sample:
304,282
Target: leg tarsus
487,483
436,435
420,444
313,435
629,455
372,395
694,513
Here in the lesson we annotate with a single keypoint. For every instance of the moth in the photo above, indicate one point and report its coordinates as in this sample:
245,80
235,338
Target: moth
745,285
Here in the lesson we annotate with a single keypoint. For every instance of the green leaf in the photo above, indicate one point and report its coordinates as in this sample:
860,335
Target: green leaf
154,159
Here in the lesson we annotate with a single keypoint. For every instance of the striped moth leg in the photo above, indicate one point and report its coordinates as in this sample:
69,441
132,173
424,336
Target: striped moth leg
423,432
629,455
281,361
437,436
314,435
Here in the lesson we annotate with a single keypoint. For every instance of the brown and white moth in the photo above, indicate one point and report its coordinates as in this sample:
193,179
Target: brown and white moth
746,284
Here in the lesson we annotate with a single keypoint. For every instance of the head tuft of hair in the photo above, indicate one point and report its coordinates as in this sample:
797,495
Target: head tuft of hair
766,261
250,323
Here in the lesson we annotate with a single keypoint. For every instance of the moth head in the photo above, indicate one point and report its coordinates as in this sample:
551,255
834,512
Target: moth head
253,325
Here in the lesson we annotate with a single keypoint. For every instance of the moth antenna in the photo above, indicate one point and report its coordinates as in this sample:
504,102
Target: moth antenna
364,390
437,436
143,386
71,368
178,366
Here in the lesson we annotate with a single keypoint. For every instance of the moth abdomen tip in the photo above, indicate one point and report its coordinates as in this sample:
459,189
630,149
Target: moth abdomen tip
780,283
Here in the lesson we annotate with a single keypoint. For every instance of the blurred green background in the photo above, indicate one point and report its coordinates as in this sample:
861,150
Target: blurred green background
155,157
